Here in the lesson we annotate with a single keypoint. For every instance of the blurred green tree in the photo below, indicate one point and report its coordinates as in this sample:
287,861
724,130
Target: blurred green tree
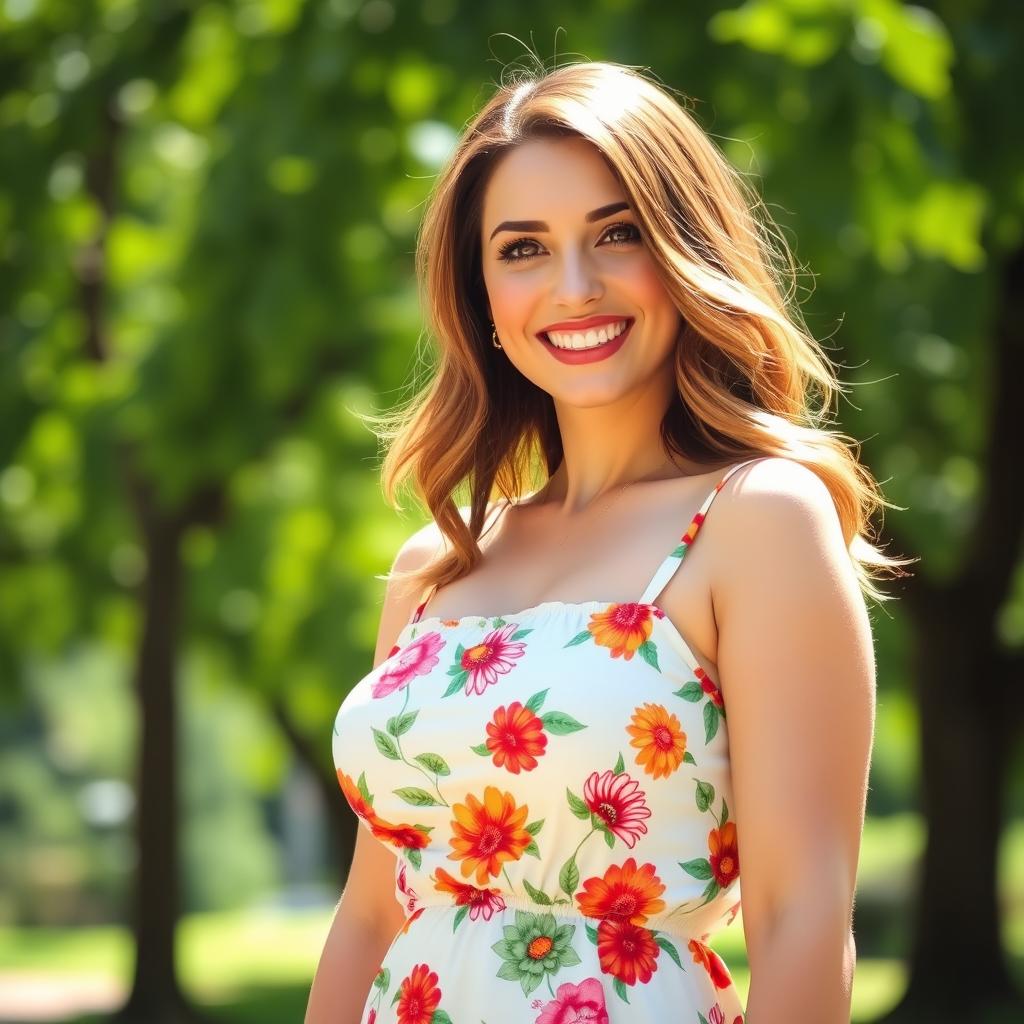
207,215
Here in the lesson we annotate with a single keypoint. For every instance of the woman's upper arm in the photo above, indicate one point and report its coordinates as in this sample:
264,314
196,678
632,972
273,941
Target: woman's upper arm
797,669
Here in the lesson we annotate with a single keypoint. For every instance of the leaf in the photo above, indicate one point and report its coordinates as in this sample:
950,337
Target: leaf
725,813
536,701
670,949
459,915
569,877
415,857
386,745
481,748
649,652
560,724
579,638
705,795
518,635
439,1016
456,684
700,867
609,837
534,827
710,721
533,850
591,931
692,692
620,765
688,758
434,763
620,989
401,723
536,895
364,790
577,806
416,796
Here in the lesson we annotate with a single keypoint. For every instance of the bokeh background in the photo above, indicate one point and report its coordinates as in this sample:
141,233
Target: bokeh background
207,219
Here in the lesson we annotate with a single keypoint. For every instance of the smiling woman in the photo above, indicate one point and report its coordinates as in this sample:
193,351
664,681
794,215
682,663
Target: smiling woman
566,764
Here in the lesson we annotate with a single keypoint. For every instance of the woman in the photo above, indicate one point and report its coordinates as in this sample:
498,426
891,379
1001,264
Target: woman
560,769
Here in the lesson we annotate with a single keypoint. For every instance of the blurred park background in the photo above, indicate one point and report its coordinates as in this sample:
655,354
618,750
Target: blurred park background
208,211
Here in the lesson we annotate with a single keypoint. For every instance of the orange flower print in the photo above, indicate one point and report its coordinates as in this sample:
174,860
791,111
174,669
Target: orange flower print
515,736
355,799
418,996
488,834
480,665
724,853
660,739
481,902
627,951
405,837
626,893
712,962
623,628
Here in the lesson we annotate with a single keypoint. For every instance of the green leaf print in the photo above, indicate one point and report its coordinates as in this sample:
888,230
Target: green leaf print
383,979
609,838
669,948
579,638
526,960
558,723
649,652
459,915
433,762
725,813
620,989
535,703
591,931
620,765
692,692
577,806
456,684
364,790
386,745
688,758
710,721
440,1017
705,795
532,850
415,857
569,877
536,895
417,797
534,827
401,723
482,749
699,868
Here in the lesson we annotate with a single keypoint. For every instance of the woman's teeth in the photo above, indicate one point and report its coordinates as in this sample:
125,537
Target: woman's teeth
587,339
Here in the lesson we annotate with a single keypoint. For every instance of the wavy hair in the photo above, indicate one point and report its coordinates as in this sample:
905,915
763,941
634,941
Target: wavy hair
750,378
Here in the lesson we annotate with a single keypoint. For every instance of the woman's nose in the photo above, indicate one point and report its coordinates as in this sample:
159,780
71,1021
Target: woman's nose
578,281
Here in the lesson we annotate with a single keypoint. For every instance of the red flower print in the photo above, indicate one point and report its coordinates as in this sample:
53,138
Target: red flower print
372,1017
405,837
724,853
493,656
618,801
623,628
626,893
627,951
660,739
481,902
515,736
417,659
576,1004
418,996
412,917
411,898
355,799
707,684
712,962
488,833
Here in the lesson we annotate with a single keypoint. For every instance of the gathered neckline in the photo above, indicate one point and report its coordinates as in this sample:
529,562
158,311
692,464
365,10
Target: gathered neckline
438,622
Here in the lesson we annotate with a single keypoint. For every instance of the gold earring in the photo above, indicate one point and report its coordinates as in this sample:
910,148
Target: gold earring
494,337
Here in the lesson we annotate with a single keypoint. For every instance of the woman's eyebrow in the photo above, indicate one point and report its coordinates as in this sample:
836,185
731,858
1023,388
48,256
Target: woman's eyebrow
539,225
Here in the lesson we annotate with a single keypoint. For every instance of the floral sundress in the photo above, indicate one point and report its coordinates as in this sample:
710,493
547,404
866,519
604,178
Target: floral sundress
555,785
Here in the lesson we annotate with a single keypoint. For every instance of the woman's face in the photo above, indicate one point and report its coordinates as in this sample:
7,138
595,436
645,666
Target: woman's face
562,252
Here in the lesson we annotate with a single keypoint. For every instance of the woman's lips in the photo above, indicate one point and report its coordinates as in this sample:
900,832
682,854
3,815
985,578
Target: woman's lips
575,356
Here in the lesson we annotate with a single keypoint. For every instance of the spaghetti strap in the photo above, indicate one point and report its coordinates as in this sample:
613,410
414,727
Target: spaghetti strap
667,568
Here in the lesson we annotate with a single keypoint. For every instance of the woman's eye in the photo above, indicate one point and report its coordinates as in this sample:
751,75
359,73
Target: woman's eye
511,252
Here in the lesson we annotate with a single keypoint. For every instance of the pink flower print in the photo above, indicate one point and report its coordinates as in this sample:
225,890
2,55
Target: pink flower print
493,656
411,898
576,1004
372,1018
619,802
716,1015
417,659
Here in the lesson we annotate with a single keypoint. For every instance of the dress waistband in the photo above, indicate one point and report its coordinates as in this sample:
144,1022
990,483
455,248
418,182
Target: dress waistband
505,902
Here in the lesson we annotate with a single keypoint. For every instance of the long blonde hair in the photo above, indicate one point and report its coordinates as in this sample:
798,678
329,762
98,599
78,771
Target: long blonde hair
751,379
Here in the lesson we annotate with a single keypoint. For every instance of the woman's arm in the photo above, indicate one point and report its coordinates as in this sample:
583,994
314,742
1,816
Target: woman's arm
368,915
796,662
